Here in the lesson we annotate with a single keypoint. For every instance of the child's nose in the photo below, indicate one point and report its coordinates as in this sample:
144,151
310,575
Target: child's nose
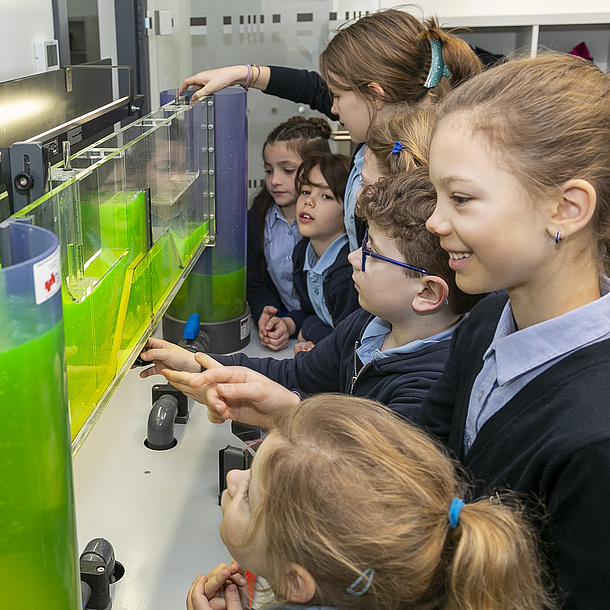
355,258
437,223
234,478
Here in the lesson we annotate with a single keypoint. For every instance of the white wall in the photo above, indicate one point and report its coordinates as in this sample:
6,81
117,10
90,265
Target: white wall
170,56
22,23
477,8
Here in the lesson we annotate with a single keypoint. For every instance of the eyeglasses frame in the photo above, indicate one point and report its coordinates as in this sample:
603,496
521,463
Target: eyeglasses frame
366,252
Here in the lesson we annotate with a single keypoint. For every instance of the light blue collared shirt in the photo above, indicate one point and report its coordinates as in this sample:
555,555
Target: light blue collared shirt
377,329
316,273
354,184
515,357
280,240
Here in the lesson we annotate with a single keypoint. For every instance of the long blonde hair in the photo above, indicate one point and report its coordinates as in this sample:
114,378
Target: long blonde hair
348,487
412,128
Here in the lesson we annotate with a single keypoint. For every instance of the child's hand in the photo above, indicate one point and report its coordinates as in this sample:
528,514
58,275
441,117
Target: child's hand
222,576
229,599
303,346
278,334
188,383
239,393
268,312
275,332
165,355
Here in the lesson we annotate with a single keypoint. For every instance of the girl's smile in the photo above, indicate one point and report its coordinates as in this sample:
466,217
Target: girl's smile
495,236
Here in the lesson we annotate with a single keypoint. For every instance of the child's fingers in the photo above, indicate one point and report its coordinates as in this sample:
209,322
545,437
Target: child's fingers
206,361
233,598
181,377
152,370
215,415
217,579
196,592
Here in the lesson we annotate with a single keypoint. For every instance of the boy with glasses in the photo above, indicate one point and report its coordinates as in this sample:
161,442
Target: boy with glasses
393,350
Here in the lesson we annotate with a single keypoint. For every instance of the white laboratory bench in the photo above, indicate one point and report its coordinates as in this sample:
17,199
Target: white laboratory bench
158,509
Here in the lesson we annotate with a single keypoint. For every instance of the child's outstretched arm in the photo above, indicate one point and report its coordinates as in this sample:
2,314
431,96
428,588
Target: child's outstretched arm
210,81
165,355
233,392
224,588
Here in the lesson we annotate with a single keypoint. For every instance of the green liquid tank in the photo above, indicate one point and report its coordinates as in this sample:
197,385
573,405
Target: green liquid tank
38,554
216,287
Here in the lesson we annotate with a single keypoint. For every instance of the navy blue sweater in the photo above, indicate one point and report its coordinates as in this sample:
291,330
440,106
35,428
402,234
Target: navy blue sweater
398,381
551,442
340,295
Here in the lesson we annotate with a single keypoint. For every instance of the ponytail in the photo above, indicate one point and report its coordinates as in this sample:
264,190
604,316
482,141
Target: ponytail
392,547
392,48
492,563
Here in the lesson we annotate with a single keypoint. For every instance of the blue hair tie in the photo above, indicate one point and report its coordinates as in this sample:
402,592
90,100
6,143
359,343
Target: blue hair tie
397,147
438,69
454,512
364,581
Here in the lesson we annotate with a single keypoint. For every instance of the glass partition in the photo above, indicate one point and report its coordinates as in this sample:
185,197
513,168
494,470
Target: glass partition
132,215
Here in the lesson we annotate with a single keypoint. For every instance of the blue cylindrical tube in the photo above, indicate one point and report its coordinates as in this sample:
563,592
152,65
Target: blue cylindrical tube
38,554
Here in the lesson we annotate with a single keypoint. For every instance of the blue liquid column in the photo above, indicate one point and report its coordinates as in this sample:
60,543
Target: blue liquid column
38,555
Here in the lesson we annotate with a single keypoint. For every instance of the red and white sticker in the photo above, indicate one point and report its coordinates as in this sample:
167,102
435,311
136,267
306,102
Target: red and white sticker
47,277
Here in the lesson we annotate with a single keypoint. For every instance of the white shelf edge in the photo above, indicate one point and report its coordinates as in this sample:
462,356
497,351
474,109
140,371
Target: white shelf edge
525,20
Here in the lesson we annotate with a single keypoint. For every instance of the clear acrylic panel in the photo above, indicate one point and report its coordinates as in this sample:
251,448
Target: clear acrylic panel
132,216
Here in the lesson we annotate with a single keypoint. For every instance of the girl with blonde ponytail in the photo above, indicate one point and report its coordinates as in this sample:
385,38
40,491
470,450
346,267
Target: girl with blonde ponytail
349,506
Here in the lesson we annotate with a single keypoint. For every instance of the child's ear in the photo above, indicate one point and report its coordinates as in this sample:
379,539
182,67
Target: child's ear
378,95
433,294
300,586
575,209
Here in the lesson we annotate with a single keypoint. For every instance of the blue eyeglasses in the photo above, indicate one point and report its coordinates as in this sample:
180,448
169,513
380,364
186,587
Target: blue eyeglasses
366,252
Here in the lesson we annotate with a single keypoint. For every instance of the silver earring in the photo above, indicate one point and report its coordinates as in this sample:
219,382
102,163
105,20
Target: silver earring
557,237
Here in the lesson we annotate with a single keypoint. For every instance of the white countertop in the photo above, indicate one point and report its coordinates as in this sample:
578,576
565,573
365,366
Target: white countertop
158,509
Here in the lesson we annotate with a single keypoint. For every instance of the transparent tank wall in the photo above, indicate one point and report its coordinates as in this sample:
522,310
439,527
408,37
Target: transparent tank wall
216,287
132,216
38,554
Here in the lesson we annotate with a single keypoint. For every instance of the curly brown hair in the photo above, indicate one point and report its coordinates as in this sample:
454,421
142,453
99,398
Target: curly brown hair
400,205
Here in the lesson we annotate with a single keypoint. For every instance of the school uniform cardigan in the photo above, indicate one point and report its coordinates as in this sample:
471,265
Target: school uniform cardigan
340,295
551,442
399,381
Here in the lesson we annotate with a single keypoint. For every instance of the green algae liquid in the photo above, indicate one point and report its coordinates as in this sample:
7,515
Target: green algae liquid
38,558
216,298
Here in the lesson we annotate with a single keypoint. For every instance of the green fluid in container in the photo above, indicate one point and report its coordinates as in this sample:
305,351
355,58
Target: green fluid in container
215,298
38,555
